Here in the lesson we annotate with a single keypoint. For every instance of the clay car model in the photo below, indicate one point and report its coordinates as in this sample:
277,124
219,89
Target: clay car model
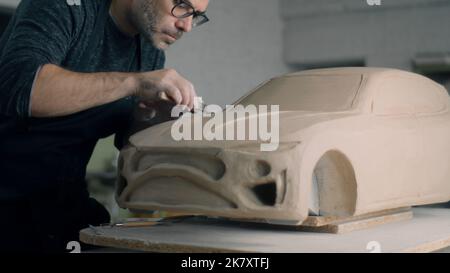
351,141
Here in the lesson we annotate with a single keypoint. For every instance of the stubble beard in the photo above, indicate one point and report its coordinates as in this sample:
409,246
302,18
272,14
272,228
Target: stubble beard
146,19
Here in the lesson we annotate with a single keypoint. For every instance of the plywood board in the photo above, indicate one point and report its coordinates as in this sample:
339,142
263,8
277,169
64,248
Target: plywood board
318,221
358,224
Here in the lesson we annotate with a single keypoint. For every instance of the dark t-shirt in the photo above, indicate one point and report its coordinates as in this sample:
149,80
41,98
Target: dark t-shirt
39,153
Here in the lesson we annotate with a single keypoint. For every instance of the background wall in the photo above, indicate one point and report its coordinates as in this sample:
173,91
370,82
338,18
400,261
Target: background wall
398,33
238,49
9,4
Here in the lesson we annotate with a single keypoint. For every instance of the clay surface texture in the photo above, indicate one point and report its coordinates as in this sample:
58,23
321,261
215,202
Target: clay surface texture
352,141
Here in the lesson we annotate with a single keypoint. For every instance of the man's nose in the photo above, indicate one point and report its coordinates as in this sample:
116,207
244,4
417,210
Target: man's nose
184,24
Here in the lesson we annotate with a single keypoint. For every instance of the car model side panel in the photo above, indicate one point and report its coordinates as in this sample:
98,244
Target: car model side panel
383,176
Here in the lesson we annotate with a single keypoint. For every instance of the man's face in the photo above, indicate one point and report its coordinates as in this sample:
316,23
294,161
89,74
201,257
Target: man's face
154,20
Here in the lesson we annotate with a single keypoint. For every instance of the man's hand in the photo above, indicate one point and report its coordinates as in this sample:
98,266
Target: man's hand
165,84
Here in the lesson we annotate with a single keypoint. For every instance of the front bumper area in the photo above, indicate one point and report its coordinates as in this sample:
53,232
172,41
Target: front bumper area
237,182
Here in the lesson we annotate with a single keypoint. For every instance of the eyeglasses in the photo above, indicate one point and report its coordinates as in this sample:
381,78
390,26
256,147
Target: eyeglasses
183,10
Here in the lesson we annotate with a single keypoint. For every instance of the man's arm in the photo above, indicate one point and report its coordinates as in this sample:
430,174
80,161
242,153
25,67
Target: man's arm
59,92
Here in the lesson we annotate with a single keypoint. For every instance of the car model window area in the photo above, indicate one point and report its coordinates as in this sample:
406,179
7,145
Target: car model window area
405,95
323,93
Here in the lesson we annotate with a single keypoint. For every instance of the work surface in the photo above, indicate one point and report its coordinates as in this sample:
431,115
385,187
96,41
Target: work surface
428,231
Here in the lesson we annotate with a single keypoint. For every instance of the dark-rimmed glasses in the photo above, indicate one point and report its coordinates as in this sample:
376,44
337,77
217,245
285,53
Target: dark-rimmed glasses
184,9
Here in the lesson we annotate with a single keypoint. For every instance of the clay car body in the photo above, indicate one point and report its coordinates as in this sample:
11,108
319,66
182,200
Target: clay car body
352,141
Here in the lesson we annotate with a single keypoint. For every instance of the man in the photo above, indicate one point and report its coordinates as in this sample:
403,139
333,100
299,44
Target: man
71,72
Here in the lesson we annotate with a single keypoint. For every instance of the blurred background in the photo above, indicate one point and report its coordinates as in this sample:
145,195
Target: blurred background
249,41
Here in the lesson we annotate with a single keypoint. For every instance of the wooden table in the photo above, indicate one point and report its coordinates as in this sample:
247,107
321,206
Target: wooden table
428,231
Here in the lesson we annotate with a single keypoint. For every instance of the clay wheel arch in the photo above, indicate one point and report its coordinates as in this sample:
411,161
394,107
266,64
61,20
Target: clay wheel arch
337,187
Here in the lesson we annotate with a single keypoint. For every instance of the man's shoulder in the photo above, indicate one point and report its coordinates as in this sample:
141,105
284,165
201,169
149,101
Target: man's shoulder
90,4
76,18
65,9
86,7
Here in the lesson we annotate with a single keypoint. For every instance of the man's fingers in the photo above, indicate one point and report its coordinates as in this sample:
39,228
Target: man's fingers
183,88
174,95
163,96
167,84
192,99
187,92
